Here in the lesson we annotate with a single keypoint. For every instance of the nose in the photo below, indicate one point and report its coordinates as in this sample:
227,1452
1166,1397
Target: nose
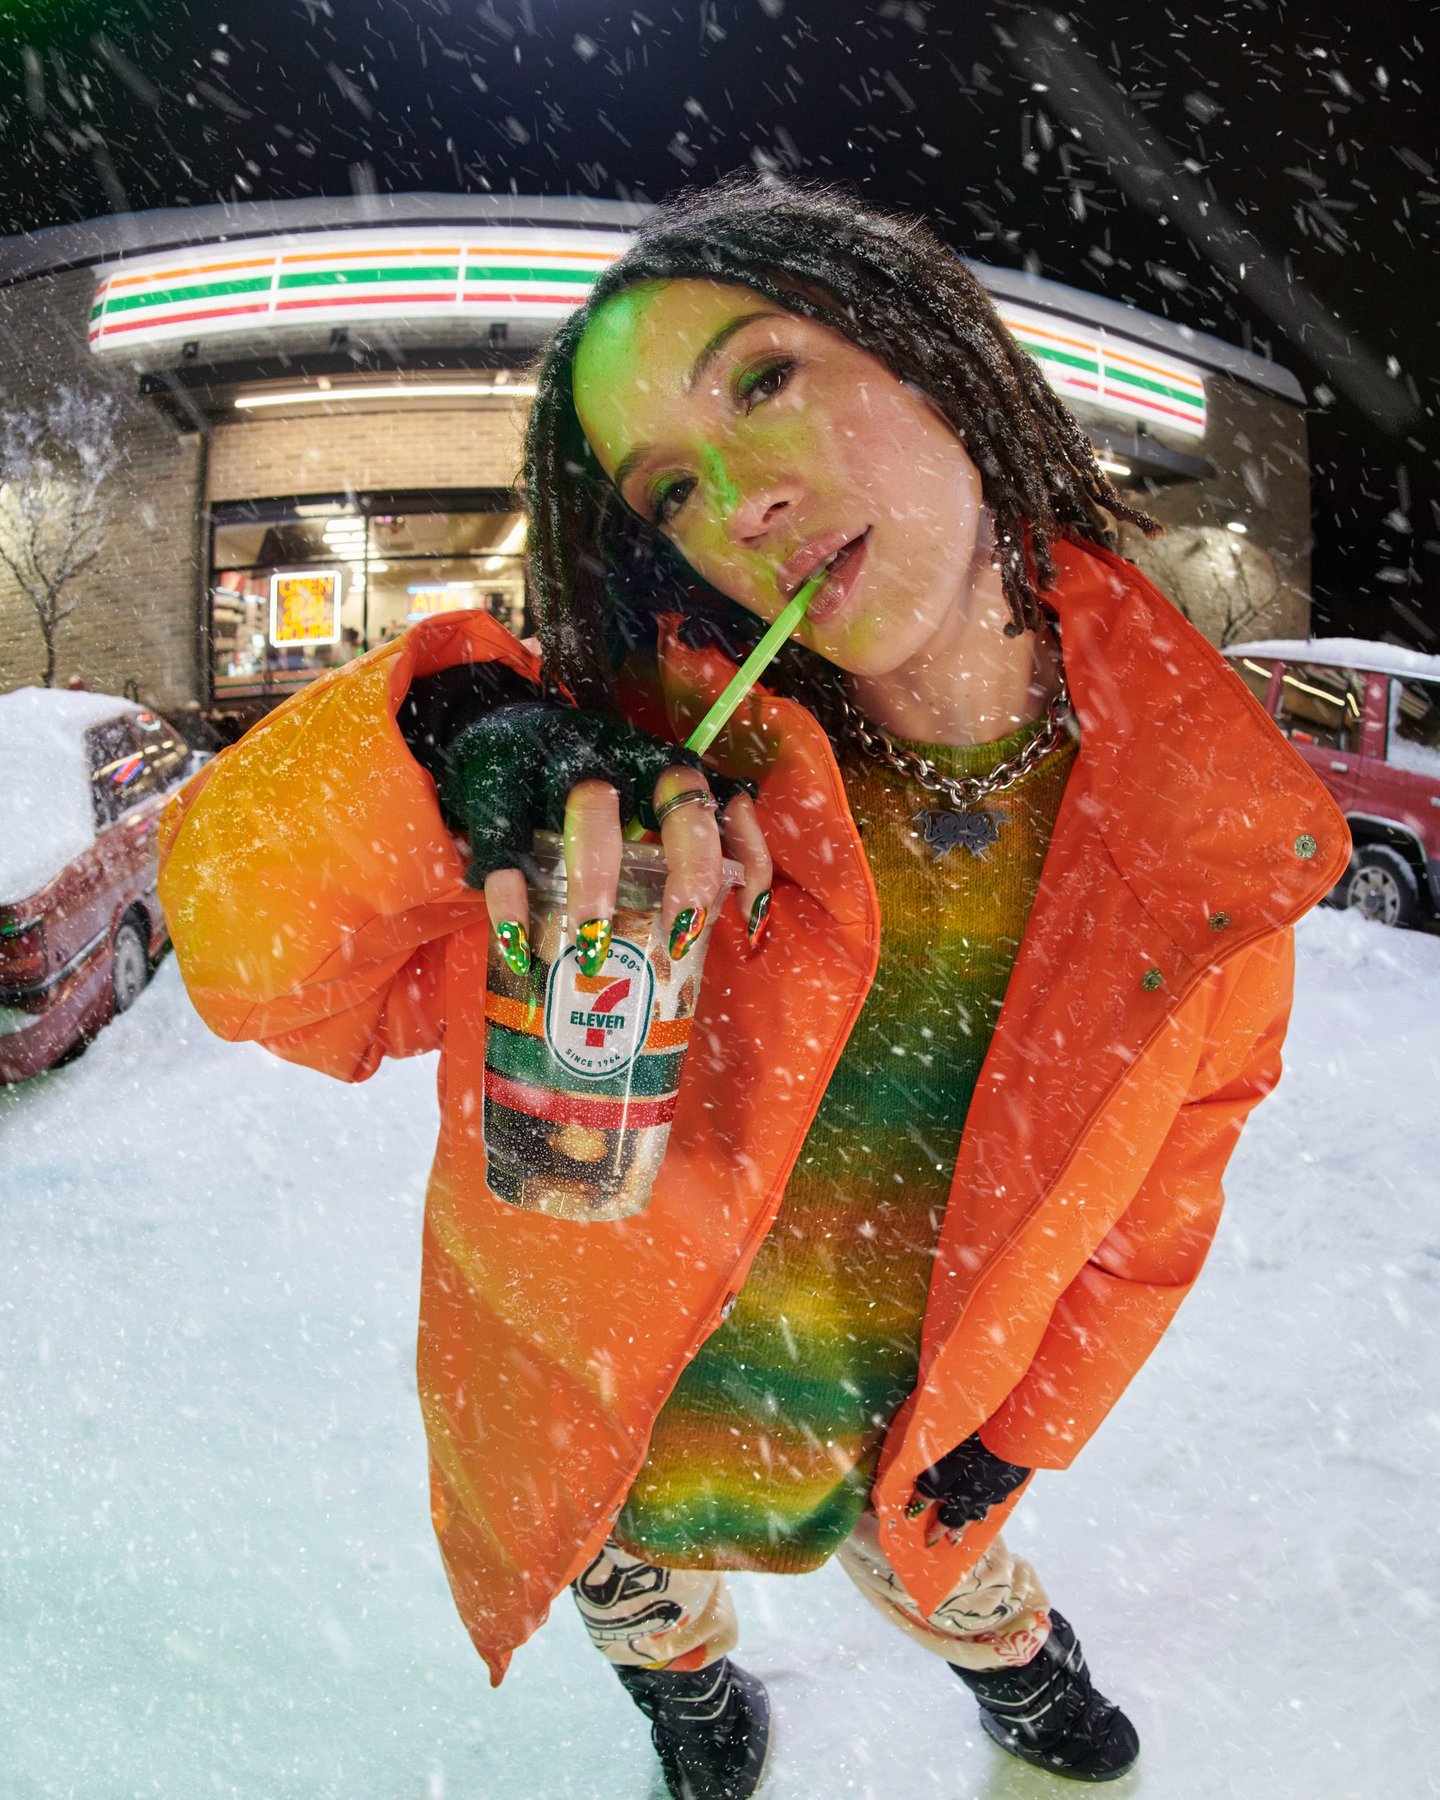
759,509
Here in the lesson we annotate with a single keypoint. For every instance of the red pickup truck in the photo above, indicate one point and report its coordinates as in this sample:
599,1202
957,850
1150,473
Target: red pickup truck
1366,717
86,777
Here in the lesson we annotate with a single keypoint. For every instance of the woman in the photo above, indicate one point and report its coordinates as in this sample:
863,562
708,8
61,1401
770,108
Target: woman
994,767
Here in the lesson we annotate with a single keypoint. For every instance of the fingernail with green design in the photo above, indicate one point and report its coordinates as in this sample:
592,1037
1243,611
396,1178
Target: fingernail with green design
689,923
514,944
759,919
592,945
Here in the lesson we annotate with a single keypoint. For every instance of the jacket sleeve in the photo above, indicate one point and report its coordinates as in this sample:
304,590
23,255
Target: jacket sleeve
1114,1312
307,877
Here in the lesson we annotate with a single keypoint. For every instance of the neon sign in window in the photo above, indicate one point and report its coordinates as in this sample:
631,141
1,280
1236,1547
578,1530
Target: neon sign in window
305,606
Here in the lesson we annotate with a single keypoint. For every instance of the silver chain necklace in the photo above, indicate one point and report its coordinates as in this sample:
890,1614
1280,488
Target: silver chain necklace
961,820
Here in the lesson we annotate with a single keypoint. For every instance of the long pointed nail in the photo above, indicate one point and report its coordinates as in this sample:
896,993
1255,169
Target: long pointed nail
759,919
514,942
592,945
689,923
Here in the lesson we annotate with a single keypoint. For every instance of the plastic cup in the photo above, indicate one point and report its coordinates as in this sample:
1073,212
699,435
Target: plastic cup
582,1073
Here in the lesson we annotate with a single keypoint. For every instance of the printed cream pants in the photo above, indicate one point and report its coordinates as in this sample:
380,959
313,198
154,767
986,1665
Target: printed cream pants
652,1618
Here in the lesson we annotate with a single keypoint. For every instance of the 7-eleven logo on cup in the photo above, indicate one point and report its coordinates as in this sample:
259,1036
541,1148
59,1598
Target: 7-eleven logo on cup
595,1024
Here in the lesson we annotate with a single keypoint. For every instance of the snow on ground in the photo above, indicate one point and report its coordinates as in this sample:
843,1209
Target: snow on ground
218,1574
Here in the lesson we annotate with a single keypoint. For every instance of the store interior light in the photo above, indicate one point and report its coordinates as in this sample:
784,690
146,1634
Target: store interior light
1111,467
512,544
344,537
407,390
1238,526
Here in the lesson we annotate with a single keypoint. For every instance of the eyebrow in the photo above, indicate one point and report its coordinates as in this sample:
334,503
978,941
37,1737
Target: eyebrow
721,338
627,464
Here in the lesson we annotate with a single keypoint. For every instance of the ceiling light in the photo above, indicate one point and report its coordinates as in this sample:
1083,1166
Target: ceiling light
1112,468
413,390
1238,526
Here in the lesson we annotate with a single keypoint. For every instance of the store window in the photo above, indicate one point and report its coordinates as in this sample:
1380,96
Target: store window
298,586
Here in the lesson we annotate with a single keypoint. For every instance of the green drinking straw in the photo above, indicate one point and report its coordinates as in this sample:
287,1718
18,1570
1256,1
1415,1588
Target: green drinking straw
750,671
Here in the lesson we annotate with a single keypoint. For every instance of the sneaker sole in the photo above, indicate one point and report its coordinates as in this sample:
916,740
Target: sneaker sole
997,1734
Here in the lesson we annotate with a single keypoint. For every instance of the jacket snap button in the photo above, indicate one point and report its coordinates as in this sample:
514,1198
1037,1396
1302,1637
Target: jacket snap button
1151,980
1305,845
1218,921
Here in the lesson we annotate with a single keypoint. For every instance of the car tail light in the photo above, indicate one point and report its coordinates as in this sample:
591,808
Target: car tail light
22,950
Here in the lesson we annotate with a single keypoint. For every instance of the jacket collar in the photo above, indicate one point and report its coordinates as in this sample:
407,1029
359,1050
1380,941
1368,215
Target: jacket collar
1194,793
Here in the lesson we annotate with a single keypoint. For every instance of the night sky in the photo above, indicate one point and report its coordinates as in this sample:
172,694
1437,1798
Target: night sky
1265,170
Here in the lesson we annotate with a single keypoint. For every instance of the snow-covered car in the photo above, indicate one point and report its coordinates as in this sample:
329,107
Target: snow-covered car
86,778
1366,717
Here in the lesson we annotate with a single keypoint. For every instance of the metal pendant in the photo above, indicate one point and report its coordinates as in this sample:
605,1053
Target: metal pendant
945,830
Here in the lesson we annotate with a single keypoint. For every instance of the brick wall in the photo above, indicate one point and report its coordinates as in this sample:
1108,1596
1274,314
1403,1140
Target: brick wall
135,618
269,456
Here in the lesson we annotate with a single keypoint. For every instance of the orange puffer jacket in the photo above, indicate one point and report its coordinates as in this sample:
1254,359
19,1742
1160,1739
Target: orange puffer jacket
317,904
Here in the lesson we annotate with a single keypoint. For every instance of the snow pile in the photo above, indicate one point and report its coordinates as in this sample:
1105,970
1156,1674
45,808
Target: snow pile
218,1569
49,819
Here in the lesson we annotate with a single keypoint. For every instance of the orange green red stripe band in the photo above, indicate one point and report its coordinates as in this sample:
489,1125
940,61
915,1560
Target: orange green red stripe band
523,1057
577,1109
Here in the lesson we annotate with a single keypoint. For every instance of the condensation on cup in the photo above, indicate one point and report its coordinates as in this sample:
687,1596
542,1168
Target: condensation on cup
582,1072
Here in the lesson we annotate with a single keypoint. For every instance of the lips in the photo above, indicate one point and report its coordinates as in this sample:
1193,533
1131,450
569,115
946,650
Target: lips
844,570
809,558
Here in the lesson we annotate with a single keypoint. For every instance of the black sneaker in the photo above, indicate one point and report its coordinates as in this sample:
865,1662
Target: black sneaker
711,1728
1048,1713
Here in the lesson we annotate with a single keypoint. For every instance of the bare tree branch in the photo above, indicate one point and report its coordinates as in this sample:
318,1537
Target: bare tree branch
56,462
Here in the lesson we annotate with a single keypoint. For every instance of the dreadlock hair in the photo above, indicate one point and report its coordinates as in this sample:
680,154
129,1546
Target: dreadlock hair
600,575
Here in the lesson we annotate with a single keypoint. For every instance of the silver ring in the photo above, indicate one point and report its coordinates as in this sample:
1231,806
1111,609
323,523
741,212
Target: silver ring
691,796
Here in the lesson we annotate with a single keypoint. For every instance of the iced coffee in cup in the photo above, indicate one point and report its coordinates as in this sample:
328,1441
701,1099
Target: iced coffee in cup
582,1072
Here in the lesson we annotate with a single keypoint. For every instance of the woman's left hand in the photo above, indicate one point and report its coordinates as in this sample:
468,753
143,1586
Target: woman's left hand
967,1483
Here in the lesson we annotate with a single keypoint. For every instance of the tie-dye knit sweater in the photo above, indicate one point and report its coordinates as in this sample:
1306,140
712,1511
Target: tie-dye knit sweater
763,1455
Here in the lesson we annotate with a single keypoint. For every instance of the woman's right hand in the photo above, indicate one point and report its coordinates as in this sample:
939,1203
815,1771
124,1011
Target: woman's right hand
527,767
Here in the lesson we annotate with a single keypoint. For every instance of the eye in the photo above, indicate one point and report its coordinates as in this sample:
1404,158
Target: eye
668,501
764,381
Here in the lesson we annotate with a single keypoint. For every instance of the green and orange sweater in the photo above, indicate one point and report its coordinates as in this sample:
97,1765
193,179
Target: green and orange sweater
763,1455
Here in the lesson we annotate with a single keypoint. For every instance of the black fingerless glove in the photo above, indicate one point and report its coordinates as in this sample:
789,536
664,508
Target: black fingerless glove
508,775
968,1482
504,761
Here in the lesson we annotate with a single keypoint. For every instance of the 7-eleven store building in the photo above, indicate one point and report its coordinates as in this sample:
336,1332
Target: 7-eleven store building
324,400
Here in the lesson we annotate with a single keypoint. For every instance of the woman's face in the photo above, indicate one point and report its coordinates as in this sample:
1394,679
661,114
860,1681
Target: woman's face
764,445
